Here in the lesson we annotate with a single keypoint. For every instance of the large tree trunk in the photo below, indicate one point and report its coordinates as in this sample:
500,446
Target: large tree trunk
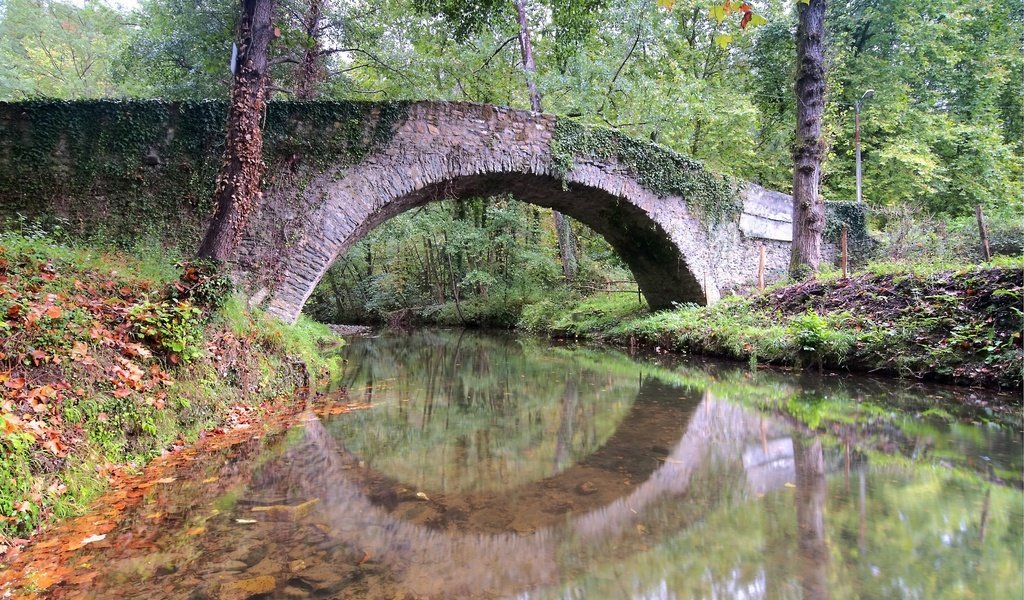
563,228
310,71
808,206
238,184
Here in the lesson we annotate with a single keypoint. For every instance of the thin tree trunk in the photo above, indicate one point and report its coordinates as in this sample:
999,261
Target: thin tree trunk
310,70
237,192
455,289
695,143
339,309
566,246
808,206
563,443
563,228
527,49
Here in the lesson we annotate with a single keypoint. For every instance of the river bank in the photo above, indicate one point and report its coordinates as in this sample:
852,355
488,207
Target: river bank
953,326
108,360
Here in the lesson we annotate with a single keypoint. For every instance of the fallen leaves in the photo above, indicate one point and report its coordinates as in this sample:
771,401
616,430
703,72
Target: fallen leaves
63,326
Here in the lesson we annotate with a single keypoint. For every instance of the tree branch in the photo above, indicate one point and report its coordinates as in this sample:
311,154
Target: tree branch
495,53
611,84
291,58
371,56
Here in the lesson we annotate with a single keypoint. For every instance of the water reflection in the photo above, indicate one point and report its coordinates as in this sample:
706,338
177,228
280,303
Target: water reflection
495,467
473,412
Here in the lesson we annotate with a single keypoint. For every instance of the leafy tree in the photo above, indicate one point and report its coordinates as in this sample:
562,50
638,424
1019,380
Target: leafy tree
58,49
572,23
943,129
179,49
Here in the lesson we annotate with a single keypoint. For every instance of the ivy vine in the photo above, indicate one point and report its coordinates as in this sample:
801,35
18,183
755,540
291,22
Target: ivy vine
148,167
665,172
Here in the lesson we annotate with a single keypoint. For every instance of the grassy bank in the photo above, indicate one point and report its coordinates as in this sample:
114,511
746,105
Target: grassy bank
959,326
108,359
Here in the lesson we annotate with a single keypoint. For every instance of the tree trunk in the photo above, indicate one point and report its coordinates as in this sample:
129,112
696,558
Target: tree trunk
808,206
238,183
310,71
563,228
566,246
811,494
527,49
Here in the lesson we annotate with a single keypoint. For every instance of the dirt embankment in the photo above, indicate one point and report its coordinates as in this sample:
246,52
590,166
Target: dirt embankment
963,327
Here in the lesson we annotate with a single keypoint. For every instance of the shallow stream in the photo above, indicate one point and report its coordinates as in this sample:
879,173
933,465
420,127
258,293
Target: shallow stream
503,467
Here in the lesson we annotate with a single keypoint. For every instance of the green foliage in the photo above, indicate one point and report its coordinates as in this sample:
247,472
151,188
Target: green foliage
938,132
16,481
181,51
175,327
809,331
589,316
910,235
962,325
498,254
467,18
657,168
58,49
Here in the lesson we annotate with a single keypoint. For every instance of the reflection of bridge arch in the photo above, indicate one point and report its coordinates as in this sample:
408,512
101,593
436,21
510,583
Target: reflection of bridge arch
444,564
658,417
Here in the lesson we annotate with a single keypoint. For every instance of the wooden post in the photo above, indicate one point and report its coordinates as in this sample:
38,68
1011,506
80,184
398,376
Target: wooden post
986,254
760,270
843,249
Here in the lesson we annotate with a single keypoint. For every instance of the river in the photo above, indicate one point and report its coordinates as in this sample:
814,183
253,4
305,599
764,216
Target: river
492,466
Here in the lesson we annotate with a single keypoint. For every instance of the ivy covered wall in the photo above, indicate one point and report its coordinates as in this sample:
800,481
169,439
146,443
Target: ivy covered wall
121,170
129,170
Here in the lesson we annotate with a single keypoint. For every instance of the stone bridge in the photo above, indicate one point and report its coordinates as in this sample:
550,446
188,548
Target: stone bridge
686,233
336,170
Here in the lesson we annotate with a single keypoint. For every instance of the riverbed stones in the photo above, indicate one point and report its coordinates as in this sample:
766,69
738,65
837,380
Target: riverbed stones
227,566
292,591
326,578
267,566
243,589
249,552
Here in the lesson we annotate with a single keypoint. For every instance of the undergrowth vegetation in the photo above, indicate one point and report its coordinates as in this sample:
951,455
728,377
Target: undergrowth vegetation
961,326
107,360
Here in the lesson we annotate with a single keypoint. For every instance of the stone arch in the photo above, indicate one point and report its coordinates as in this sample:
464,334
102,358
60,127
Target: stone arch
442,150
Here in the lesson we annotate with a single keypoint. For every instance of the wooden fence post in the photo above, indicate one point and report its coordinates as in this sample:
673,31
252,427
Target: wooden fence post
843,249
760,269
